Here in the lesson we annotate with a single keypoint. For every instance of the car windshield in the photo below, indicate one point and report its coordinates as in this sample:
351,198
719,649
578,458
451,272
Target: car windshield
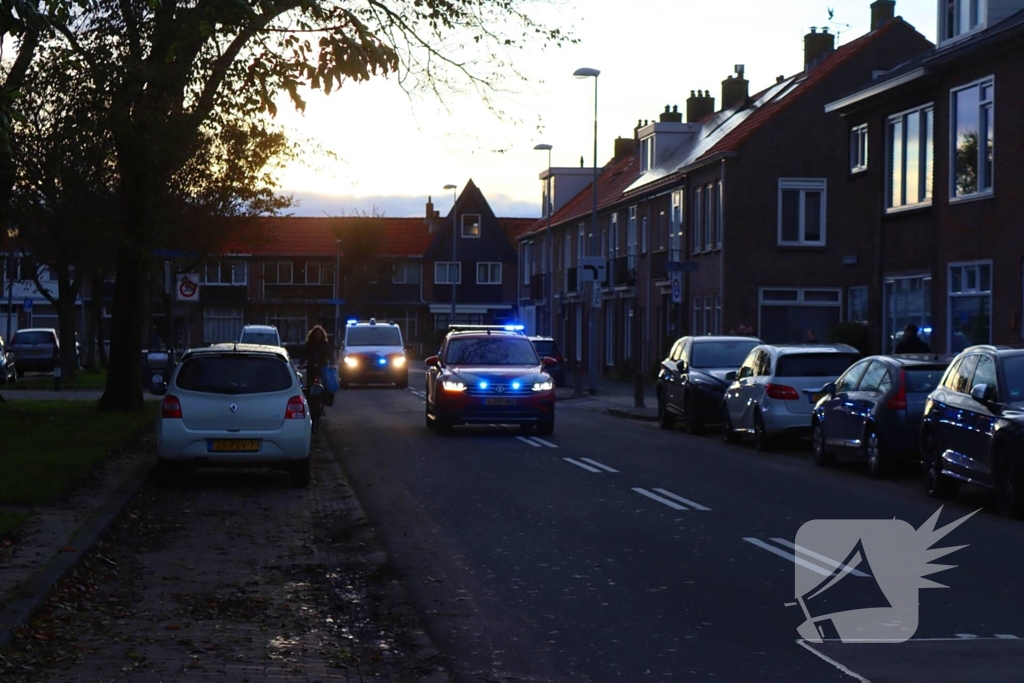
829,365
265,338
922,380
33,337
234,375
373,336
491,351
1013,366
720,354
546,348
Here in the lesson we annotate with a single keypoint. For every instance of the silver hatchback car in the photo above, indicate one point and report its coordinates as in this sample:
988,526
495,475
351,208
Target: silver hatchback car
234,405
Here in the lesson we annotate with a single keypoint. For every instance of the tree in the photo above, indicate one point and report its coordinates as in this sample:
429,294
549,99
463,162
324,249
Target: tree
361,242
164,71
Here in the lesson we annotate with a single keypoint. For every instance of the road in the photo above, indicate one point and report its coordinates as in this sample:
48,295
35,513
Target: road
616,551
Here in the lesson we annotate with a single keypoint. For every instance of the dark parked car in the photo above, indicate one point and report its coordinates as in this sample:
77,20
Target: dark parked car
36,349
548,347
692,380
8,371
973,427
873,411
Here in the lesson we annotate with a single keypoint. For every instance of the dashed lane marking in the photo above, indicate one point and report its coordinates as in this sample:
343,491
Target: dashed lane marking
588,468
542,442
601,465
817,556
788,556
684,501
666,501
528,440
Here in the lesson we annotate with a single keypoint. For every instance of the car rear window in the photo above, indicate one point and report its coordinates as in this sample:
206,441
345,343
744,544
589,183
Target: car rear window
922,380
234,375
814,364
37,337
546,348
491,351
265,338
721,354
373,336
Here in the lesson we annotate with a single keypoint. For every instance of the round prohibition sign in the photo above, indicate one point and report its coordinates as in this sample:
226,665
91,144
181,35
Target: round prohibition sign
187,288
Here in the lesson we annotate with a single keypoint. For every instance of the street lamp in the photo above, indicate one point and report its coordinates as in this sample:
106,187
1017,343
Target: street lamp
455,226
550,293
592,345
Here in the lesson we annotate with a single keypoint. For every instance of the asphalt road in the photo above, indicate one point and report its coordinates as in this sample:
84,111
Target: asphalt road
616,551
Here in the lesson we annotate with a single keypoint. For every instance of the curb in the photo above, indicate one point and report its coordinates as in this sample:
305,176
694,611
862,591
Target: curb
32,593
631,416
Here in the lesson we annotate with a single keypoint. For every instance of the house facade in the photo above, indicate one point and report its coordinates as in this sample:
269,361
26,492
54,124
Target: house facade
941,134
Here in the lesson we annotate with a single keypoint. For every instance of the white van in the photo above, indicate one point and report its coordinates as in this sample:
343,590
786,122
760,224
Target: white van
266,335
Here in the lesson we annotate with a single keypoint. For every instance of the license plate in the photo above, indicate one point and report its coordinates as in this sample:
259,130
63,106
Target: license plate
499,401
233,445
34,352
816,397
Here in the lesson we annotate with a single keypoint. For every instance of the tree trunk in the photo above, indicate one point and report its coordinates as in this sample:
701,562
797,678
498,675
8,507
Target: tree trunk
124,373
66,320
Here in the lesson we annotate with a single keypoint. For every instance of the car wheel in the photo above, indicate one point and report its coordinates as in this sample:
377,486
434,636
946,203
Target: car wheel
761,439
693,425
819,452
936,483
728,433
1009,489
546,427
665,419
299,473
873,454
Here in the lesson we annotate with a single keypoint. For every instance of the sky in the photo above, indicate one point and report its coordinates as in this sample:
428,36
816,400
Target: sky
382,151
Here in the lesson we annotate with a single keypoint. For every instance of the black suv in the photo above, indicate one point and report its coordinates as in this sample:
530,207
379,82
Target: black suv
692,380
973,427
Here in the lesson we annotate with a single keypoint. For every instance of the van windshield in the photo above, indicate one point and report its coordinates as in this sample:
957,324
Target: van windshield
373,336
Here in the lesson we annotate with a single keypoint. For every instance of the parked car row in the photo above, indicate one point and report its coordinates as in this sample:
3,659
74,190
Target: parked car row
961,417
36,349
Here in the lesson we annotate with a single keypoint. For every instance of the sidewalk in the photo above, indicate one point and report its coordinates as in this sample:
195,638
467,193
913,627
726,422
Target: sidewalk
612,398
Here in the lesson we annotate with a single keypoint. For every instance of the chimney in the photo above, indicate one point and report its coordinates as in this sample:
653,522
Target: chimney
624,147
817,46
699,105
882,12
734,90
671,116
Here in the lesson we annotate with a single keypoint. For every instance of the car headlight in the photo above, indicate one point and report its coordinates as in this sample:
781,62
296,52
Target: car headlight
398,361
451,385
351,362
543,386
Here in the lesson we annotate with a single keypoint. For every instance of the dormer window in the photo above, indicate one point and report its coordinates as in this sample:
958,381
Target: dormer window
647,154
471,225
961,17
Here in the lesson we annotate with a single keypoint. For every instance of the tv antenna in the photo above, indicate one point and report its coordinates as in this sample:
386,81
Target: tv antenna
838,27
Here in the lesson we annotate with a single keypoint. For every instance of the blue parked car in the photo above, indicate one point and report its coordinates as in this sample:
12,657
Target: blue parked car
873,412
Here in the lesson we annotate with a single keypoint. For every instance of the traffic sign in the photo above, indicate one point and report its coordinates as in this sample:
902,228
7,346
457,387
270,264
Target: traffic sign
596,294
188,287
677,287
592,269
27,305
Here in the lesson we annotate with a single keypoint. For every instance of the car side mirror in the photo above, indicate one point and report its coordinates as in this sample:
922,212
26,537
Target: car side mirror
433,360
829,389
730,376
548,362
983,393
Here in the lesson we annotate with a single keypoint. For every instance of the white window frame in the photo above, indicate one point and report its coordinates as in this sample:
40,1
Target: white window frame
675,227
403,268
709,203
803,186
859,148
951,28
487,269
696,232
719,213
985,183
448,268
925,159
613,235
967,291
647,154
581,241
631,238
474,219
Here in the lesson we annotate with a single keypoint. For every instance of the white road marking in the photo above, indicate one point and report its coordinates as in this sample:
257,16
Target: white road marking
788,556
821,558
526,439
1006,636
695,506
588,468
802,643
545,443
597,464
663,501
966,636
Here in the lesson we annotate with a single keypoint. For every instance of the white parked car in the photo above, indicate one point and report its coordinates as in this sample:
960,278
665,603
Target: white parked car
267,335
774,392
234,405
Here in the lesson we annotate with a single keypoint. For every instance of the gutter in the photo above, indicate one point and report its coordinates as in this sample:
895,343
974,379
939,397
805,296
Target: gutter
876,90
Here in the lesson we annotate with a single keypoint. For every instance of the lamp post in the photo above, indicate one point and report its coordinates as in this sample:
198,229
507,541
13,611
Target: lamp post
592,345
455,235
549,295
12,233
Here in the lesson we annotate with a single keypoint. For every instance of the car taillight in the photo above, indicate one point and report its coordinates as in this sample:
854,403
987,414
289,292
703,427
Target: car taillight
296,409
172,408
781,392
899,400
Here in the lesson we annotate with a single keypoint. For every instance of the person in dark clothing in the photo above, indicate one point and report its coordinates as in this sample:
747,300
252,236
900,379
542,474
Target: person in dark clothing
911,343
318,353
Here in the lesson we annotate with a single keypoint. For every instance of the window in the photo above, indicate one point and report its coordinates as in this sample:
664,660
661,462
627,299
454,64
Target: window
278,273
801,212
609,333
470,225
644,234
225,273
719,213
708,312
859,148
970,305
222,324
447,272
907,300
791,316
985,373
874,378
631,238
718,314
962,380
613,236
405,273
567,252
488,273
292,328
579,333
857,305
526,251
695,329
911,148
960,17
696,231
312,273
581,241
708,217
973,139
675,228
646,153
627,329
848,382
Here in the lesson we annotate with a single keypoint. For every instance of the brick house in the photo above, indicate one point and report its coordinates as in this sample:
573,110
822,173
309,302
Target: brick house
944,210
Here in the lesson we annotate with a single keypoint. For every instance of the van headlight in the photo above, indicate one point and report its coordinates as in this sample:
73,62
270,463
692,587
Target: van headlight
351,362
543,386
398,361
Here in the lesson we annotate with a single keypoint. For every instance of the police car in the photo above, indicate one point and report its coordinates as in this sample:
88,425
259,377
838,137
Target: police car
373,353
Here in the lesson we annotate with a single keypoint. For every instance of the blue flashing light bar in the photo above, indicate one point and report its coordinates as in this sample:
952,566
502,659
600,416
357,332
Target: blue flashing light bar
483,385
516,385
382,361
351,321
515,328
